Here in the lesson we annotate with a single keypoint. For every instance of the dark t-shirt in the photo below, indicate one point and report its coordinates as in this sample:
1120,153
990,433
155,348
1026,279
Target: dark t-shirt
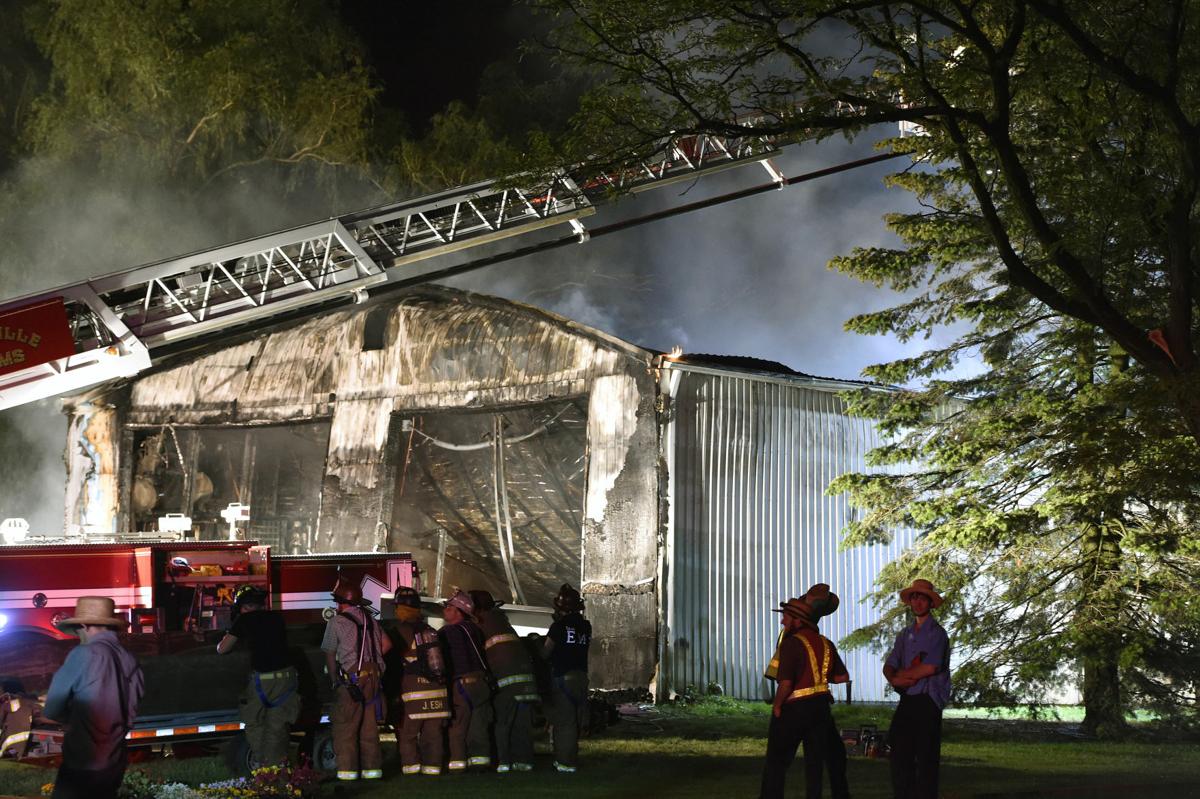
572,635
264,632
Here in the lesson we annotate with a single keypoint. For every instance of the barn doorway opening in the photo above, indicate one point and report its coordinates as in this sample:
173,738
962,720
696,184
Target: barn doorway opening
200,471
493,499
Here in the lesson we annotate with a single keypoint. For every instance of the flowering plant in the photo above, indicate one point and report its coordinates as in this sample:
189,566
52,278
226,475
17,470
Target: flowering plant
268,782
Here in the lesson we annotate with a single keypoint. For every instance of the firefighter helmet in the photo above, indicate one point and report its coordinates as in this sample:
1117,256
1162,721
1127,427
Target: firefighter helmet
347,593
568,600
250,595
407,597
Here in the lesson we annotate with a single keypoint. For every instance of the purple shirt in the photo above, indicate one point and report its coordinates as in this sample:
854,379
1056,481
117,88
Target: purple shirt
928,645
85,695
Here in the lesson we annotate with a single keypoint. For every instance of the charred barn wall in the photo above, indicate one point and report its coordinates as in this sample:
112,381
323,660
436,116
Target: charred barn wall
358,373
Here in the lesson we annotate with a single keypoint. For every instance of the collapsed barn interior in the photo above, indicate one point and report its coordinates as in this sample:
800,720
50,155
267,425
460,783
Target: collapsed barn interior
504,447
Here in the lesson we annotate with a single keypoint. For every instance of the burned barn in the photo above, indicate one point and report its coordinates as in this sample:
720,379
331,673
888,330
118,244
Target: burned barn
511,449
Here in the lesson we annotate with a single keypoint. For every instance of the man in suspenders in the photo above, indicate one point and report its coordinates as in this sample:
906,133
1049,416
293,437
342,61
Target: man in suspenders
807,663
470,691
354,646
95,696
271,702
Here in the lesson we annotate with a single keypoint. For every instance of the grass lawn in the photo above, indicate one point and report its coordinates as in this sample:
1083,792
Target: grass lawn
715,749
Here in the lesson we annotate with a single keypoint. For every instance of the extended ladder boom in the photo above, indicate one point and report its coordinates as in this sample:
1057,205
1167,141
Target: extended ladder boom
116,322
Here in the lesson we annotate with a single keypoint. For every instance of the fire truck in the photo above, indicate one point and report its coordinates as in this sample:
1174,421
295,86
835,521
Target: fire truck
179,598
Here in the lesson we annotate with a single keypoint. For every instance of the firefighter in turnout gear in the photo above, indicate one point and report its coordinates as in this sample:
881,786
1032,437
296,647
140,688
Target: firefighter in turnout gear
270,703
422,689
807,662
354,646
516,687
566,648
470,692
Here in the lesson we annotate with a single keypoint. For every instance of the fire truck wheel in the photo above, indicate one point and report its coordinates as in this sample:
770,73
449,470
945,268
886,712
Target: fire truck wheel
238,757
321,750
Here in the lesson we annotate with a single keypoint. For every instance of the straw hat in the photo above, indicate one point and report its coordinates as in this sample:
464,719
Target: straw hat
98,610
921,587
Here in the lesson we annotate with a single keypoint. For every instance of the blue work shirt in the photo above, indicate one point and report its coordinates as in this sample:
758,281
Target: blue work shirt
928,645
85,697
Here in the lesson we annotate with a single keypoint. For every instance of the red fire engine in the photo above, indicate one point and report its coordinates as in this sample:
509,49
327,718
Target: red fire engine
179,596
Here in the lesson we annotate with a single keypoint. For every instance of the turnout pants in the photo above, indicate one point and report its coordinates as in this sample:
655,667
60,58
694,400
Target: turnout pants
916,740
470,738
806,721
356,730
514,725
267,721
426,708
568,713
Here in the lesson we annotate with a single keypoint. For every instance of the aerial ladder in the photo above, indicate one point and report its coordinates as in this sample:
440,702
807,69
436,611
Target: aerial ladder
114,326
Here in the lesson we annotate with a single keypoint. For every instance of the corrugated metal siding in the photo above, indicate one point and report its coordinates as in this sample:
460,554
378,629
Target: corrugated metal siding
752,526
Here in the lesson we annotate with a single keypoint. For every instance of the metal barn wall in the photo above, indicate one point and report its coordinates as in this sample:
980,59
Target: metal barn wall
750,525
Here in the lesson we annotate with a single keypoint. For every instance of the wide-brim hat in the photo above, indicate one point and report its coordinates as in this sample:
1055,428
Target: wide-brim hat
822,600
348,593
921,587
98,610
798,608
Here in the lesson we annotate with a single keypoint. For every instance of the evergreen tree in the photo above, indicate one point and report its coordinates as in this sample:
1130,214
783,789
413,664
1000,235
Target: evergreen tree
1057,160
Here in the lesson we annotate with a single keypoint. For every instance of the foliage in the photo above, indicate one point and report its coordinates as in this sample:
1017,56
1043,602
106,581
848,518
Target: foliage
1057,163
200,90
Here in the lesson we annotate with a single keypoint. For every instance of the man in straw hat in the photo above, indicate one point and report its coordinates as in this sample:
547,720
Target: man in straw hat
354,646
807,663
470,690
95,696
516,688
918,667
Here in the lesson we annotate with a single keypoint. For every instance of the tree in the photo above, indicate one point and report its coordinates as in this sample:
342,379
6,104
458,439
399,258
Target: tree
199,91
1057,167
1074,127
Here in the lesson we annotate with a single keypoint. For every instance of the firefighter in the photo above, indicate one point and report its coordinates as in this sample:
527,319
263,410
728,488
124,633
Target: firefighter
17,711
516,689
271,702
824,602
808,662
566,648
470,692
95,697
354,646
918,667
426,705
